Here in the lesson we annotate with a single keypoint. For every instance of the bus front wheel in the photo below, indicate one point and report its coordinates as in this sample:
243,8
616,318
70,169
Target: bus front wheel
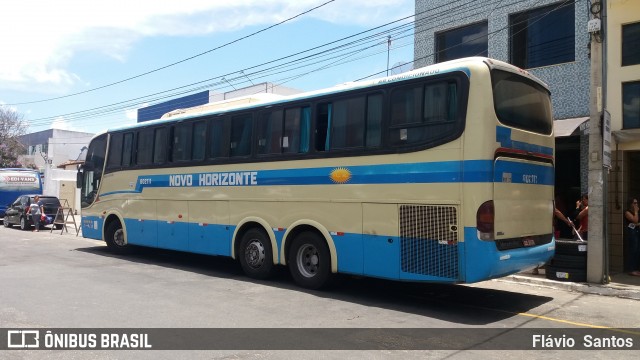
310,261
256,256
114,237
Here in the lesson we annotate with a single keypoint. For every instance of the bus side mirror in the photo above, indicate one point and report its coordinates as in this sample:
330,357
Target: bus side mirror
79,179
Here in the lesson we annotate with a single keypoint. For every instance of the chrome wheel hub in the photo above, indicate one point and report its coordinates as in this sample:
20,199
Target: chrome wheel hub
254,254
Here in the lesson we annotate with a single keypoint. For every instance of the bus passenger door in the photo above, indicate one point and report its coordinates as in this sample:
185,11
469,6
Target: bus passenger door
173,226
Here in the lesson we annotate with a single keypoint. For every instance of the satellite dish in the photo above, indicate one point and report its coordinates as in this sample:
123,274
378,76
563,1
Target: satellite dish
400,67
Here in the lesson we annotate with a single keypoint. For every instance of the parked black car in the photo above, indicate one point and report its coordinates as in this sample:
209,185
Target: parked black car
18,212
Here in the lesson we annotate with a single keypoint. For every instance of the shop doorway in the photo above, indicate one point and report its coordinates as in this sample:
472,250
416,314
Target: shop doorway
632,179
567,187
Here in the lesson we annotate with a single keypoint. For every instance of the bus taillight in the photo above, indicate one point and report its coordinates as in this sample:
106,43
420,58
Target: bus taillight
485,220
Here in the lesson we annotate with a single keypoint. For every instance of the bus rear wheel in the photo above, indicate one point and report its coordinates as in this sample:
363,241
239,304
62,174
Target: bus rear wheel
114,237
255,255
310,261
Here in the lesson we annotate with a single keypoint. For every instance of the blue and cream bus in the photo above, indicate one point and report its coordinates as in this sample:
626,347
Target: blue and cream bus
15,182
440,174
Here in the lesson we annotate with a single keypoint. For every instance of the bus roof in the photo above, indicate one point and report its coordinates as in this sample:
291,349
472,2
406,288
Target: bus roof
256,100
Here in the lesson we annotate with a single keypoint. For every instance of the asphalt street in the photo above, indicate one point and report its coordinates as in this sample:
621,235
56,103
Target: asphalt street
58,281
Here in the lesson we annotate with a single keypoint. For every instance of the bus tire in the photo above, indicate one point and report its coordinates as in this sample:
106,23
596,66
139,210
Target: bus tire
310,261
565,274
256,256
24,224
114,237
571,247
569,261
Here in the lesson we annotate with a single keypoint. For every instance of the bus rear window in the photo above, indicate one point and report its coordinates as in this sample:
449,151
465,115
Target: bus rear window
521,103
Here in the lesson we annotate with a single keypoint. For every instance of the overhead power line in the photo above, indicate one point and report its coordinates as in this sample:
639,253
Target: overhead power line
338,58
128,103
177,62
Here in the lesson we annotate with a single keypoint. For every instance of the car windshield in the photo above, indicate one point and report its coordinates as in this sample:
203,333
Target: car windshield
50,201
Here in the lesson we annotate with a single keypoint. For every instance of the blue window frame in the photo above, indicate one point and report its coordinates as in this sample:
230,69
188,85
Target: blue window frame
469,40
631,105
543,36
631,44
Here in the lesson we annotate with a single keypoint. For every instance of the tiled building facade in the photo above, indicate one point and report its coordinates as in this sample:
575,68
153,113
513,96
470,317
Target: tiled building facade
550,39
568,77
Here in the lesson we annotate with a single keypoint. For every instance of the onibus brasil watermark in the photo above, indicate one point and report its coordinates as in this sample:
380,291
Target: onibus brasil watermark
48,339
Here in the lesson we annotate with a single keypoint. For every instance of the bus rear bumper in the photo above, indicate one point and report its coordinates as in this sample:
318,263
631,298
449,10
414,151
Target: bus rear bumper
482,260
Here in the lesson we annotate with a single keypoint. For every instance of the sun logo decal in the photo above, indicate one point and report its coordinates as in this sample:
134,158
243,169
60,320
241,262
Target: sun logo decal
340,175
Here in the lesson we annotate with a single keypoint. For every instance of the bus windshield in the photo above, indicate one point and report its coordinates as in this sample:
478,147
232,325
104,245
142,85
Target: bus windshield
521,102
92,170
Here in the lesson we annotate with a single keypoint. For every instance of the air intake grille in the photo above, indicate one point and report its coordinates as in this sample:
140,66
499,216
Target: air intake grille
429,240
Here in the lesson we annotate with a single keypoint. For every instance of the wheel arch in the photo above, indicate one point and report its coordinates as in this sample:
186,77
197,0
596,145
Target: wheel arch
250,223
108,219
308,225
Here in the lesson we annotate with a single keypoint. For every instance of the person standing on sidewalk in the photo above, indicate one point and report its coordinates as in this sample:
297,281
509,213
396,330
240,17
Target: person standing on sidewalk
36,210
632,238
582,215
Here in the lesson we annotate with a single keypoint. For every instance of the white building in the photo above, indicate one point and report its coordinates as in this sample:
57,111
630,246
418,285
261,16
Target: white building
48,149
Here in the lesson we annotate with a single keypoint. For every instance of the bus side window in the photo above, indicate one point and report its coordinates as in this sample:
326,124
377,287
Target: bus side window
114,159
348,124
296,130
374,120
181,143
218,139
127,149
144,150
439,102
270,133
160,145
423,113
241,135
199,140
323,121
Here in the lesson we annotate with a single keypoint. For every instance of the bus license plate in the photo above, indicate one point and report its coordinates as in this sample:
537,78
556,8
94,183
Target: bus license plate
528,242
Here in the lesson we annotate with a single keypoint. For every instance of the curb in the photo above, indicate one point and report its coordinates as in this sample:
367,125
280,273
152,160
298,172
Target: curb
611,289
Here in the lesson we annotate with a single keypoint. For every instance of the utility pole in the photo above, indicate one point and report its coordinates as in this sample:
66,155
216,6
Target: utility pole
388,50
597,210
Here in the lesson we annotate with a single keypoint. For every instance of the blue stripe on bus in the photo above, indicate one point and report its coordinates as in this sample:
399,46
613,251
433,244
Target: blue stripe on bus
503,136
470,171
357,254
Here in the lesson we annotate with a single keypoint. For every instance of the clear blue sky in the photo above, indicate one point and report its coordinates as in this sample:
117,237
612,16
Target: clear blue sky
59,48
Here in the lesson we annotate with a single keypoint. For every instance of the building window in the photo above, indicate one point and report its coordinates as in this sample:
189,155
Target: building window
470,40
631,105
631,44
543,36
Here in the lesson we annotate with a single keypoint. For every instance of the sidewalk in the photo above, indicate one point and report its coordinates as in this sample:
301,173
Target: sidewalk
621,285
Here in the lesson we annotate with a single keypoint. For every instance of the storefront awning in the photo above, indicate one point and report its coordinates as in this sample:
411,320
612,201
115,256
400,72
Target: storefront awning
569,127
624,136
